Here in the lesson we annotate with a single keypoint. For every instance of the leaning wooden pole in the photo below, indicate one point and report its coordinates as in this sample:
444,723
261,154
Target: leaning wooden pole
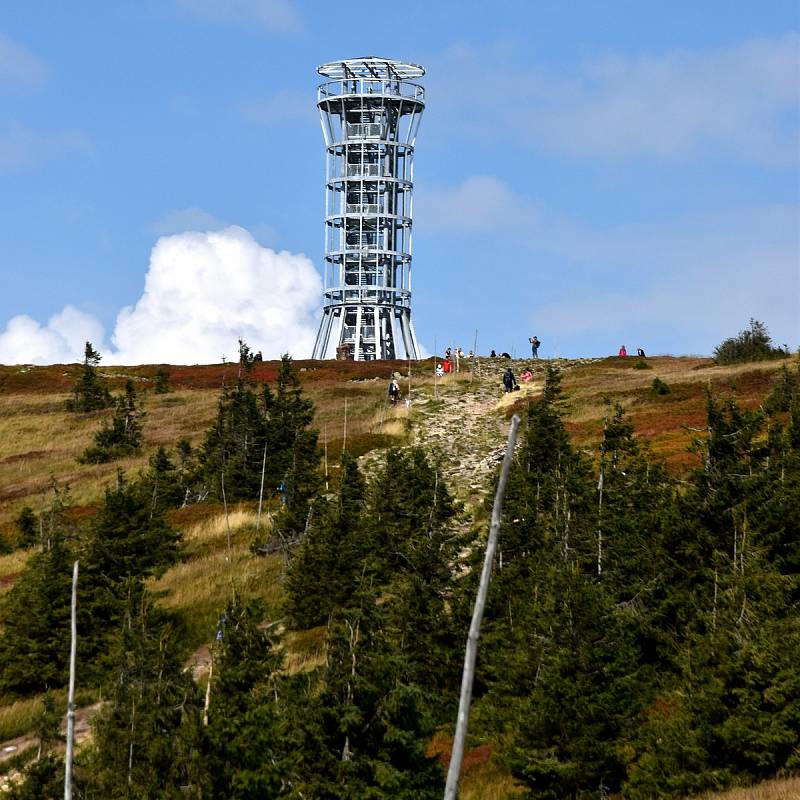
71,695
471,653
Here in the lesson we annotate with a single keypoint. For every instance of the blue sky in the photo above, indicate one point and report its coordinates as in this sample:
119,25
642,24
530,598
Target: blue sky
594,173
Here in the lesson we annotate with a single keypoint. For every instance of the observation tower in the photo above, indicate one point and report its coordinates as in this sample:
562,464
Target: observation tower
370,110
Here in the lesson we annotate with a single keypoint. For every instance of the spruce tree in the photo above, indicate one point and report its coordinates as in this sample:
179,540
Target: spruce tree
34,647
125,543
324,573
246,750
148,739
291,445
123,437
363,734
89,393
234,445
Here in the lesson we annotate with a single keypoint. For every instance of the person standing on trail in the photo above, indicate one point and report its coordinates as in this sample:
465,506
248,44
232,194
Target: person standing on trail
509,381
394,391
622,352
534,340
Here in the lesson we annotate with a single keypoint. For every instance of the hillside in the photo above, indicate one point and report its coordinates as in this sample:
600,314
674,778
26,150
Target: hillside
461,420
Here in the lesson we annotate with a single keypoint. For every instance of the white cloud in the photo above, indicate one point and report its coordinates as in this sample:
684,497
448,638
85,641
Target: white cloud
275,15
60,341
202,292
22,147
18,66
738,102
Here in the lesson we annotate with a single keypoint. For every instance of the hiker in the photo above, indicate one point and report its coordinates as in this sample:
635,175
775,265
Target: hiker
394,392
470,355
509,381
640,352
439,371
493,354
534,340
447,365
526,375
258,356
282,492
447,354
505,355
622,351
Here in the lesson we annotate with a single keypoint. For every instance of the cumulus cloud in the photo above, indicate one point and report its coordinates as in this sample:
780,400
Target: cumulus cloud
18,66
202,292
739,102
275,15
60,341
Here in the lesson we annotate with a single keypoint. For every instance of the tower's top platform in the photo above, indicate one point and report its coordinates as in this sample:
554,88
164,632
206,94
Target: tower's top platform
371,67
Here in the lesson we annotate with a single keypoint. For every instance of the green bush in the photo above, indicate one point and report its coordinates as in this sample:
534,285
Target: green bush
641,364
660,387
752,344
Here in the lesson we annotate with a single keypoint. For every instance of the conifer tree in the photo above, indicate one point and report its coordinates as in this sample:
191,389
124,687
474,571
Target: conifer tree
324,573
234,445
148,739
162,381
126,542
246,751
34,647
89,393
28,527
123,437
291,445
363,733
162,484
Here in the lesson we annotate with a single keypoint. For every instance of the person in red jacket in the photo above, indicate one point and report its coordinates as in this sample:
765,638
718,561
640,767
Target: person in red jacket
622,351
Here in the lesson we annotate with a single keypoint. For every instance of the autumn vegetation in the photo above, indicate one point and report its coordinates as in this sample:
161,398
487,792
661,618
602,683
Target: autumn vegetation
277,578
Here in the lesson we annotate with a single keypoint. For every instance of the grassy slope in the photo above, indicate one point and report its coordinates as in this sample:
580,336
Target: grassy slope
39,441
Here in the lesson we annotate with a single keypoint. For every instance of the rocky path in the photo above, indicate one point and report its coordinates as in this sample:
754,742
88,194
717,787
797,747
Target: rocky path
463,420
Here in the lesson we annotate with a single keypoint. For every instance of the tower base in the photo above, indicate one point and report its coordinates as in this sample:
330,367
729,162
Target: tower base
366,333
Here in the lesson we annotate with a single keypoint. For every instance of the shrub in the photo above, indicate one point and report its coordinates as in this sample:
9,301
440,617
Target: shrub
752,344
641,364
660,387
162,382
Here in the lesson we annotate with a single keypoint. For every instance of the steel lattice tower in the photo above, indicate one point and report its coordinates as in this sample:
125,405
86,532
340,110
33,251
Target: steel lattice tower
370,112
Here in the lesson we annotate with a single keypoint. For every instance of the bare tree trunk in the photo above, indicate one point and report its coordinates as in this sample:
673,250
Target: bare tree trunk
600,523
71,694
471,653
326,457
261,490
227,521
207,702
344,430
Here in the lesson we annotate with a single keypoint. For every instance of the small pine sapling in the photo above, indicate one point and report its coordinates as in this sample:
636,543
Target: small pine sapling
89,393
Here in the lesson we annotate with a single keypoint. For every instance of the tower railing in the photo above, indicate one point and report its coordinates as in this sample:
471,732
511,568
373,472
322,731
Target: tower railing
370,114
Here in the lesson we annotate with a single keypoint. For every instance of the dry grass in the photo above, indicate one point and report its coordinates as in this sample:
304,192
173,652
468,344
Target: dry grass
19,716
489,781
778,789
304,650
11,565
482,778
200,587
